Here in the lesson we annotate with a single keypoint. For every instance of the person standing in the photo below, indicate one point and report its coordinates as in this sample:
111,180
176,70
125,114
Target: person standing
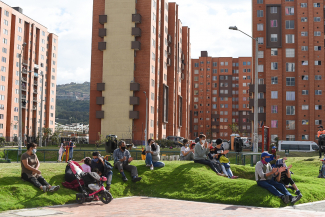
186,154
71,146
122,160
153,155
61,150
321,144
264,175
201,150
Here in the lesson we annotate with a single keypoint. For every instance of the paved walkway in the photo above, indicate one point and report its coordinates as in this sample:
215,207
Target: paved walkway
144,206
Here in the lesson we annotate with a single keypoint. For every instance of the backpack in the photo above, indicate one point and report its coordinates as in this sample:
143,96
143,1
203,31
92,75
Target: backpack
217,165
107,167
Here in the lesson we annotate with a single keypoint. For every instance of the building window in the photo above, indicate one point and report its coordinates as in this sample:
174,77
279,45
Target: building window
290,138
259,1
290,110
290,81
304,77
304,92
290,67
317,33
316,19
260,68
305,122
274,65
318,77
260,27
274,23
260,54
289,11
260,40
318,63
318,92
304,19
274,37
290,24
274,51
290,125
304,107
304,62
304,48
274,94
290,38
274,80
290,96
318,122
274,123
317,48
318,107
316,5
273,10
274,109
290,52
303,5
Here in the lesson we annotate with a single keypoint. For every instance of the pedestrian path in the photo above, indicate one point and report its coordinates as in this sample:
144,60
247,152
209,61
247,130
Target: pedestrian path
146,206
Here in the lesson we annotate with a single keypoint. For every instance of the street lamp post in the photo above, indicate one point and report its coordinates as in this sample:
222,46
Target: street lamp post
41,118
255,145
20,102
146,130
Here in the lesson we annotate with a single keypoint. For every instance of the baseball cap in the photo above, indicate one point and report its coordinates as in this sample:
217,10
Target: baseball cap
274,147
320,126
265,154
211,147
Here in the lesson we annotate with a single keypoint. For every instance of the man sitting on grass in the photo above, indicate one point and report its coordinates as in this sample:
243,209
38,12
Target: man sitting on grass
201,151
264,177
30,171
99,163
122,160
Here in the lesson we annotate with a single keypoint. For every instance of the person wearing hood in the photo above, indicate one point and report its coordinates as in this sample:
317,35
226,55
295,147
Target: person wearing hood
153,155
264,175
98,163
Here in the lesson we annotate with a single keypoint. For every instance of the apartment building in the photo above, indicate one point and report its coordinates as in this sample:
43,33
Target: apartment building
290,66
220,96
39,56
136,56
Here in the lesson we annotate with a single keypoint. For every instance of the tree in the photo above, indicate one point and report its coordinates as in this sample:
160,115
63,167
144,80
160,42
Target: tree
101,140
234,128
47,133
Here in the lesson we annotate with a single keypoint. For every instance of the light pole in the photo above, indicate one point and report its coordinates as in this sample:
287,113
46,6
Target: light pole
41,118
146,130
20,102
255,145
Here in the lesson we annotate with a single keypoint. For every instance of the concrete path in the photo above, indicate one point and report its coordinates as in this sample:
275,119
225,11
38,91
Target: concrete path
144,206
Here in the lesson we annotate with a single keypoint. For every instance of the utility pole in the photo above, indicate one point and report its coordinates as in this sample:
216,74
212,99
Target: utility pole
41,121
146,130
20,103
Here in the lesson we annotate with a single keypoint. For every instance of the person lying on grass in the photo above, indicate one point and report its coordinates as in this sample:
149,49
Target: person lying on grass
201,151
219,156
186,154
153,155
30,171
264,177
285,176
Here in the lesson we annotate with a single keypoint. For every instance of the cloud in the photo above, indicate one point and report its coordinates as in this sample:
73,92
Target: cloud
208,20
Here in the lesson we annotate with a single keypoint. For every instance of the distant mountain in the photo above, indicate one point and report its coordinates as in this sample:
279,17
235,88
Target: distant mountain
73,91
72,103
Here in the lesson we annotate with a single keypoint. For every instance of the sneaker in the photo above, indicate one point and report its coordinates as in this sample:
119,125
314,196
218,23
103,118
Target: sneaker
298,192
136,179
285,198
124,179
54,188
148,165
234,177
151,167
296,199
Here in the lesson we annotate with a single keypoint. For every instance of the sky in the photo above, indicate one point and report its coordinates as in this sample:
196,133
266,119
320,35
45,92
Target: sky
208,20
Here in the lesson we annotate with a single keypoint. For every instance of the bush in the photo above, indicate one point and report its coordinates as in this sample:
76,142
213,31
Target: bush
165,143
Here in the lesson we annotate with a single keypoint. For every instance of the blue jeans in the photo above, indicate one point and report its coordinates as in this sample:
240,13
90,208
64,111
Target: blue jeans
226,171
109,177
274,187
71,154
155,164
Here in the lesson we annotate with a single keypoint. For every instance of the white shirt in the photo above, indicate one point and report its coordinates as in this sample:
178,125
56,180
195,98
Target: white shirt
184,149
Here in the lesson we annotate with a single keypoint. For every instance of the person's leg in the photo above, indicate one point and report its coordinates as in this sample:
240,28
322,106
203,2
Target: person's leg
148,159
34,181
43,182
109,179
158,164
189,156
119,166
269,186
280,187
208,163
230,174
224,170
320,151
134,172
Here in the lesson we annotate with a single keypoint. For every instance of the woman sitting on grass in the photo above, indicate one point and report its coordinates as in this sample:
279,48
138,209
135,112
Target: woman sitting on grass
186,153
30,171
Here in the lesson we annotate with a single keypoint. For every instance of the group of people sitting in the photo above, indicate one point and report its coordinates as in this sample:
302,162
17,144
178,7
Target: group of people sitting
271,172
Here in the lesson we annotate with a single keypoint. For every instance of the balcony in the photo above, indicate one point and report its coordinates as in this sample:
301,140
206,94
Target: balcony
215,116
100,100
35,75
36,66
34,108
35,91
215,123
169,62
136,31
261,116
35,83
183,66
215,130
25,62
102,46
23,105
183,57
134,100
261,103
134,86
169,39
102,19
102,32
134,115
169,50
261,88
23,96
136,18
35,99
136,45
24,79
23,87
100,86
24,71
100,114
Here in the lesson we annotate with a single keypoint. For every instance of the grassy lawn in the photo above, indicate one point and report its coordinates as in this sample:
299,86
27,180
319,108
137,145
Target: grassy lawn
177,180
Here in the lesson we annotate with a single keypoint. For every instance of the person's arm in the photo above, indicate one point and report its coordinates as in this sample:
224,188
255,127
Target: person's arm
27,166
278,177
259,170
101,160
155,153
37,161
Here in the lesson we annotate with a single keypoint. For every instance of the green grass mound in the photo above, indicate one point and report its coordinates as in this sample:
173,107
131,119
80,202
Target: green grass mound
177,180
